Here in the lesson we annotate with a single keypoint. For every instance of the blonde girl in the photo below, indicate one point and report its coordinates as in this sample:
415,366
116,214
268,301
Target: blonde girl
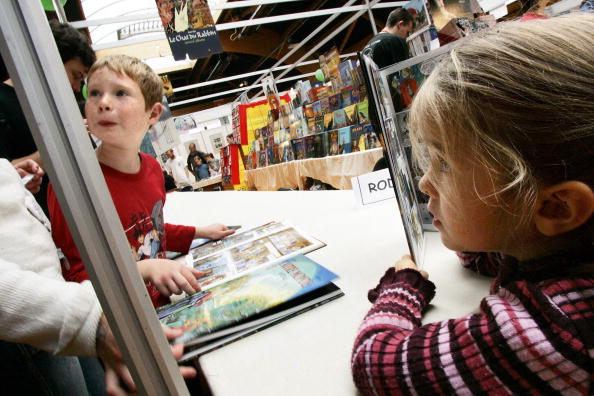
504,128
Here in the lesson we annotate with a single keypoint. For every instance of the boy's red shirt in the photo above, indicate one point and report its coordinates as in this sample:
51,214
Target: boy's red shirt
139,199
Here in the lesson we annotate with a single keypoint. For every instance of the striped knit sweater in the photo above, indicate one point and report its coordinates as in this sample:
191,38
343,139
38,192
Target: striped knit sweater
534,335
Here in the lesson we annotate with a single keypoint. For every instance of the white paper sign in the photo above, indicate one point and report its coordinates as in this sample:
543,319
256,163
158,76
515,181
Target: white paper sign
373,187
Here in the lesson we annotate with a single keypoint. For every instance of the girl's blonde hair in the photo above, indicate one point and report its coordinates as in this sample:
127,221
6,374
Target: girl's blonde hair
148,81
519,100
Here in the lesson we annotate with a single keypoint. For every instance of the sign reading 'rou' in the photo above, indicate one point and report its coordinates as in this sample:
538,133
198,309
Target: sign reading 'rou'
373,187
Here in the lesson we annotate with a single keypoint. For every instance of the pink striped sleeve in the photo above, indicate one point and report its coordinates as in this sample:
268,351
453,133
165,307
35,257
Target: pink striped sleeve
503,350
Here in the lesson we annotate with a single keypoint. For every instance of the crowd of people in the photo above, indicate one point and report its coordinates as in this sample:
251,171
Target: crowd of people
198,165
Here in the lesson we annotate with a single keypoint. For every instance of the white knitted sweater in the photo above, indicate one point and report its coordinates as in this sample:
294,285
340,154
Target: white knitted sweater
37,306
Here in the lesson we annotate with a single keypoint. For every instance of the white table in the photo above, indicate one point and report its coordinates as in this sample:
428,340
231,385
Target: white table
310,354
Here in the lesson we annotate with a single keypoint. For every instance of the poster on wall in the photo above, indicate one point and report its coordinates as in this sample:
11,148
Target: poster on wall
184,123
216,141
269,87
189,28
162,132
167,87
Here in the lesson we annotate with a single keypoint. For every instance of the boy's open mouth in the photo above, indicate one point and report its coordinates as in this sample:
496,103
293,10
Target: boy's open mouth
106,123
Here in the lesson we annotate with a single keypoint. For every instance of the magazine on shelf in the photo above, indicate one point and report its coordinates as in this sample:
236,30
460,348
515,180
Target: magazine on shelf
358,139
351,114
321,144
246,304
246,251
390,93
333,142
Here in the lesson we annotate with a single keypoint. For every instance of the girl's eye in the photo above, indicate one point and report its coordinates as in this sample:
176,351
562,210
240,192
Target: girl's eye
121,92
94,92
443,165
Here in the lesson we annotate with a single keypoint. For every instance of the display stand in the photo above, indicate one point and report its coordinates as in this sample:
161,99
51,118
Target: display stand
233,167
335,170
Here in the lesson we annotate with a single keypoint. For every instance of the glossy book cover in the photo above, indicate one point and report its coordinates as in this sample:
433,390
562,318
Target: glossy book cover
238,299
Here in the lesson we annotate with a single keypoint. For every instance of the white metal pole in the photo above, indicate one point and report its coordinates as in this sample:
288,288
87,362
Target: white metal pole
33,61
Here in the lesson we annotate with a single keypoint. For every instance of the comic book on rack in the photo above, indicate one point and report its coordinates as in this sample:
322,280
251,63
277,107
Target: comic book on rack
252,280
298,146
344,140
358,139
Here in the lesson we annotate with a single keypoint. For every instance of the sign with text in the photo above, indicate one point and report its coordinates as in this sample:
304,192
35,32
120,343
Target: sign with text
189,28
373,187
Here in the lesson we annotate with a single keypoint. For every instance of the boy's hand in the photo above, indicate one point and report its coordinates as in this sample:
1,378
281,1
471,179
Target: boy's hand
213,231
116,371
406,262
169,277
30,167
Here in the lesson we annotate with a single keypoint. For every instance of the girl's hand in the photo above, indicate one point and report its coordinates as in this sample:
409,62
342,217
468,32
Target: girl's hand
169,277
407,262
213,231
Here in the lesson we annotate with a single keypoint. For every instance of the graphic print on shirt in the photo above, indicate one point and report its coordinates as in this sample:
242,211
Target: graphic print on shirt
145,233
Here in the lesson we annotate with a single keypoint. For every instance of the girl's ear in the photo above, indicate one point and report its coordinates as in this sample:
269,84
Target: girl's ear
155,113
564,207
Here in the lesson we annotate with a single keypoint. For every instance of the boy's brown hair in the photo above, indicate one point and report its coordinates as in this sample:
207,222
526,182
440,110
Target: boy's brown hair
148,81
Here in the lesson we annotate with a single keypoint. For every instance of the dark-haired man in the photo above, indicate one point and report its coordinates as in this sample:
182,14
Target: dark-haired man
389,46
194,153
16,140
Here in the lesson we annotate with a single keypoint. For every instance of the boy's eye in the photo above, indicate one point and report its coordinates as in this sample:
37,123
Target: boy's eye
121,92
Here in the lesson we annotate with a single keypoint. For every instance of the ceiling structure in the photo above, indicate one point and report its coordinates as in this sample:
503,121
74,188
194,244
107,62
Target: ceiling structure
255,38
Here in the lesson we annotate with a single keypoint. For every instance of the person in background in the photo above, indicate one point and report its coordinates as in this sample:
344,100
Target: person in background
200,169
194,153
169,182
16,140
389,46
124,101
229,138
214,165
514,180
45,322
176,168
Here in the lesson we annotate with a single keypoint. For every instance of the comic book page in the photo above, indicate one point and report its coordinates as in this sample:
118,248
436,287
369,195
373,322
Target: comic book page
246,251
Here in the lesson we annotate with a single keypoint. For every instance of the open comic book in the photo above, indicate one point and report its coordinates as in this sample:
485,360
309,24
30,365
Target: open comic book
246,251
248,303
391,91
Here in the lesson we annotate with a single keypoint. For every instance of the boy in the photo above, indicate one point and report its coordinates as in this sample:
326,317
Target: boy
124,101
200,169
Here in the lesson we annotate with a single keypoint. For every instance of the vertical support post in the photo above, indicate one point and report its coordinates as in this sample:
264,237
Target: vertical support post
33,61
